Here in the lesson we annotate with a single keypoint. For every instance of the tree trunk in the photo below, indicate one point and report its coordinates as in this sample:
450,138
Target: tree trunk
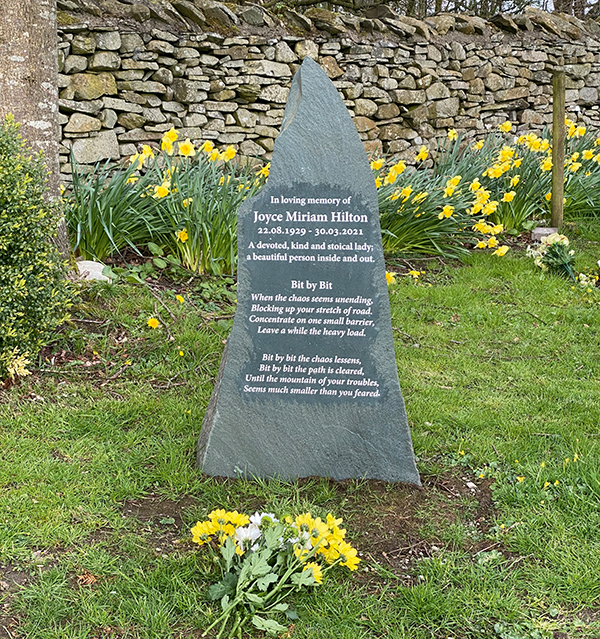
28,83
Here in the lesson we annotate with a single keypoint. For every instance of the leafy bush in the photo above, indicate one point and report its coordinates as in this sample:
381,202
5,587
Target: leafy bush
33,292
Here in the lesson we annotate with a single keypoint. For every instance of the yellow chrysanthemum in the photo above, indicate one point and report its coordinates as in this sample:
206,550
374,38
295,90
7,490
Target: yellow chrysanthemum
316,571
202,532
348,555
153,322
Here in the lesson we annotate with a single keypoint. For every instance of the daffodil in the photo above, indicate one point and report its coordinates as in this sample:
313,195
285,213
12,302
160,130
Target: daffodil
161,190
229,153
167,146
509,197
406,192
186,149
492,242
546,164
505,127
182,236
501,250
446,212
390,278
475,185
422,155
377,164
452,134
264,172
548,196
515,180
171,135
478,145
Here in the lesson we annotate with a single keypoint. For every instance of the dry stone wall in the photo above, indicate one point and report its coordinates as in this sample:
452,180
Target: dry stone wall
121,87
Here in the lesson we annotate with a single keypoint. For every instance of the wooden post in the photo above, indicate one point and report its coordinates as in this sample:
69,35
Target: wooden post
558,147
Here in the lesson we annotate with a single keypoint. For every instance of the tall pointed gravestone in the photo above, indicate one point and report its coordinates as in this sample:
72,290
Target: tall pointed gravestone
308,384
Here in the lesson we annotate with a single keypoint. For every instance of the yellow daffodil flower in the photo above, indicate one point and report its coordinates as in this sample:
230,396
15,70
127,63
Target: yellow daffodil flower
377,164
509,197
390,278
207,147
422,155
546,165
452,134
505,127
229,153
446,212
186,149
515,180
171,135
182,236
478,145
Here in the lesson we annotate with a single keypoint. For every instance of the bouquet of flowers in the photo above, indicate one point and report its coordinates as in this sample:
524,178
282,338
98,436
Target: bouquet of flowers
263,560
553,255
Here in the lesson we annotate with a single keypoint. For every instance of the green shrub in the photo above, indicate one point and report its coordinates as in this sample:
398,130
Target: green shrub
33,292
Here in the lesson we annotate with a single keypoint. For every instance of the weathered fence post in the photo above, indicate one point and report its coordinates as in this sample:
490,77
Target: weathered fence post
558,146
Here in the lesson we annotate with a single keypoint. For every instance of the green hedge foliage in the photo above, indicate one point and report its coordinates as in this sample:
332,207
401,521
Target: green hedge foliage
34,295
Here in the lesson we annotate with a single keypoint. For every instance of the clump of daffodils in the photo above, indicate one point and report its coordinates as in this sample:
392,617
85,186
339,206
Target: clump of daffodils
264,559
553,254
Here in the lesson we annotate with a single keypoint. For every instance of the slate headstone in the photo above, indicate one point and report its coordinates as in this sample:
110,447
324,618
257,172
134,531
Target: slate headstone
308,383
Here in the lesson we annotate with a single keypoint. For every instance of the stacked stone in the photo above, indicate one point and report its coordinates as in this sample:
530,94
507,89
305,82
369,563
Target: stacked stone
122,89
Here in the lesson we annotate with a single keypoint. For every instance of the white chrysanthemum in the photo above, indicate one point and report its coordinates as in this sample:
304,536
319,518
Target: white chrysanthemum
246,536
257,518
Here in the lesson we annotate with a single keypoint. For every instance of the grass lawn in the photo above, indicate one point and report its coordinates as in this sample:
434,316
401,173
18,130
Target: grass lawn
500,369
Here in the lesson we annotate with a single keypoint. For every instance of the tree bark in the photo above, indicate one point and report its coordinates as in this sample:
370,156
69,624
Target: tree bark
28,83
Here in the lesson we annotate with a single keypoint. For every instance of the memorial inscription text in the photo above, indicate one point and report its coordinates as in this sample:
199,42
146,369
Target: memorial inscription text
310,310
